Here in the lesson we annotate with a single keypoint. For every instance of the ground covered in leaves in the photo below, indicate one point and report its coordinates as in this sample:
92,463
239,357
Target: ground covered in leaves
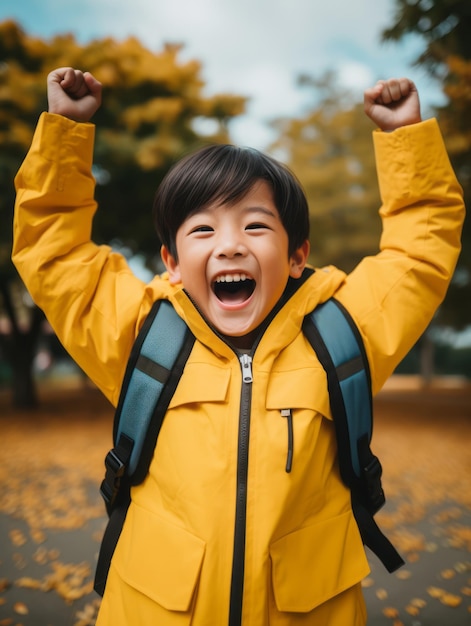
52,518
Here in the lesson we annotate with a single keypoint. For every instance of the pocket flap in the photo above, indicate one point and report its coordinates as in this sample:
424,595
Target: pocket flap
304,388
201,382
159,559
316,563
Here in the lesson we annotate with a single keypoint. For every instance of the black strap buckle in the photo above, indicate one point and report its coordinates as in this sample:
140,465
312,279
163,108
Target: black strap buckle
372,477
115,469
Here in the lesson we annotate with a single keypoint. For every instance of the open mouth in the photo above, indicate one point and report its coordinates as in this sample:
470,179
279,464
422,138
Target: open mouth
233,288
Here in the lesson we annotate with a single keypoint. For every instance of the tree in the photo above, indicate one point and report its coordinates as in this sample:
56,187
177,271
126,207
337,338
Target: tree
445,26
330,149
153,104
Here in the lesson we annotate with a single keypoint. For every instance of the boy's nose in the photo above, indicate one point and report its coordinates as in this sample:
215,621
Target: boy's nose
230,246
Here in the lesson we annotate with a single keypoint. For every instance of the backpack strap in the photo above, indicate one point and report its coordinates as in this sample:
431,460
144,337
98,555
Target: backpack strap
337,342
155,366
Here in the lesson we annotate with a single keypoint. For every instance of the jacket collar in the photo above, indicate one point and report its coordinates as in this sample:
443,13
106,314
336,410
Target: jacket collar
300,297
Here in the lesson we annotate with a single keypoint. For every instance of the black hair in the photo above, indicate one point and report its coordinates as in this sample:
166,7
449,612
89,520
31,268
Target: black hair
225,174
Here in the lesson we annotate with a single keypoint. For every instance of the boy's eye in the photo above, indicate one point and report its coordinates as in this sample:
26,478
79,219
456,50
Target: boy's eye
255,226
202,229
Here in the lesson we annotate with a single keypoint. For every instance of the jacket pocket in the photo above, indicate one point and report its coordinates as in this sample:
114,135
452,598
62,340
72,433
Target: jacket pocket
201,382
315,564
158,559
304,388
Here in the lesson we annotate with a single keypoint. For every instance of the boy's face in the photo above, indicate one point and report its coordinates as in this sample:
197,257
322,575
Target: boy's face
233,261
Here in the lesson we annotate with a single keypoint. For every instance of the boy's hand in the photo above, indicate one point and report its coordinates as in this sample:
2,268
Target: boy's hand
72,93
393,103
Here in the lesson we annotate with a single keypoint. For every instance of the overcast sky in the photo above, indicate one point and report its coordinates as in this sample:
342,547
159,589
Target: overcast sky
255,48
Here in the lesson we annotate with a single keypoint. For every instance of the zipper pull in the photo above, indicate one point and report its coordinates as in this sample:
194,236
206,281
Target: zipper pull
246,362
289,459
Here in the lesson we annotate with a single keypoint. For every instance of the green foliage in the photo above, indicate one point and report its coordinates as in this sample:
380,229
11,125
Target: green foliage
444,25
449,361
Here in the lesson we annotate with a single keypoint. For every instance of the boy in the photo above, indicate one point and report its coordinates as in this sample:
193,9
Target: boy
219,532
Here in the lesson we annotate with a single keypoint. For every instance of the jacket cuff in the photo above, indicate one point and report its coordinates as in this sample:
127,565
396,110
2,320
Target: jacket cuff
56,135
411,163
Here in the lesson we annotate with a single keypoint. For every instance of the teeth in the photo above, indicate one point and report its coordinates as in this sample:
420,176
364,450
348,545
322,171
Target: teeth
231,278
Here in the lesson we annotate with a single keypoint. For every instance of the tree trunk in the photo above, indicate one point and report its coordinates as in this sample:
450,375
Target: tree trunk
19,347
427,359
23,386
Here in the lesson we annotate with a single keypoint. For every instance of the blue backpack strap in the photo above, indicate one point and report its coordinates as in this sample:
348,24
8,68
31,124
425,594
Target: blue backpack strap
339,347
155,366
153,379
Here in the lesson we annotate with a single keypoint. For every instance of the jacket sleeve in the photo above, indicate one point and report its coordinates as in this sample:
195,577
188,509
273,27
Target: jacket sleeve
394,295
88,293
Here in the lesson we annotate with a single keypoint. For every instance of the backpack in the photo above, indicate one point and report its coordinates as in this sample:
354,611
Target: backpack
154,368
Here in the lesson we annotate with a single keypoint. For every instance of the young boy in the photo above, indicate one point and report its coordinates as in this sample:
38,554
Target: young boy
219,532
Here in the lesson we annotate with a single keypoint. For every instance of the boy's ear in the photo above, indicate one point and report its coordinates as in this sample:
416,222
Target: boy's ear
172,266
298,260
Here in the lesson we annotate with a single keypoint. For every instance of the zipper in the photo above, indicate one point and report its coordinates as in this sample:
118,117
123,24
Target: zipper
289,419
246,363
238,562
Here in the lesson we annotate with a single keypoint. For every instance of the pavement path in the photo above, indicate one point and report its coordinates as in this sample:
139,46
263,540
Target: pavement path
52,519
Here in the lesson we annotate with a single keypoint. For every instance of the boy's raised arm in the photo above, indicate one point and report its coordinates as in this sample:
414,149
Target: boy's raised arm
89,294
73,93
394,294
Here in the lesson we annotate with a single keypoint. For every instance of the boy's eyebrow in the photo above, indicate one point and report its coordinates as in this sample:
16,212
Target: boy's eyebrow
247,210
260,209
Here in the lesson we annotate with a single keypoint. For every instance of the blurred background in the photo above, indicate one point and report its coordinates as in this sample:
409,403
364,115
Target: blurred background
284,77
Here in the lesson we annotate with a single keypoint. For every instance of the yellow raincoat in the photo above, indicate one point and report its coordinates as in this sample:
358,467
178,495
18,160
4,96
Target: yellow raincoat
219,533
